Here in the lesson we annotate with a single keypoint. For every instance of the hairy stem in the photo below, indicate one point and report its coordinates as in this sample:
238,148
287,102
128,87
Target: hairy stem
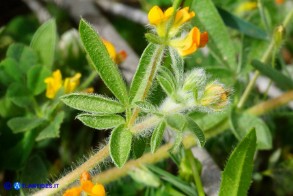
264,59
162,151
196,174
149,84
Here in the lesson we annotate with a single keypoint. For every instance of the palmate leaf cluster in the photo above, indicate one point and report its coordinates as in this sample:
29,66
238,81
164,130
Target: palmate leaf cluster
105,113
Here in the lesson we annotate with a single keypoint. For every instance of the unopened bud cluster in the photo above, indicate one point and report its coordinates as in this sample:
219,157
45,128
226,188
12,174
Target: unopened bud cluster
198,92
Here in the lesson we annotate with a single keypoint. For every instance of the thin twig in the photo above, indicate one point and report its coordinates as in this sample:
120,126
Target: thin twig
119,9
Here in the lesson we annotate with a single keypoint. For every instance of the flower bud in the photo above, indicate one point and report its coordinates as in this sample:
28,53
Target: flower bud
215,96
279,35
195,80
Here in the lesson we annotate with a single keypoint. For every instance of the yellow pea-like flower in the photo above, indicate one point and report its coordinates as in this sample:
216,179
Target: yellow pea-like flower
161,19
70,84
87,186
54,83
117,57
189,44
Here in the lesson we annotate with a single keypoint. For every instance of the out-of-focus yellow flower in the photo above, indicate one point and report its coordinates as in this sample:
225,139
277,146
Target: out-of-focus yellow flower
117,57
87,186
54,83
161,19
71,83
89,90
75,191
246,6
191,42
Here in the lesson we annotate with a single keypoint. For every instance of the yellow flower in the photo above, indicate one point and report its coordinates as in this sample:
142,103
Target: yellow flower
246,6
54,83
191,42
117,57
70,84
161,19
75,191
86,186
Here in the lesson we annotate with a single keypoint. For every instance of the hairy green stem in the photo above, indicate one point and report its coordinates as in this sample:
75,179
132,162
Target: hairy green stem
149,84
196,174
163,152
264,59
160,154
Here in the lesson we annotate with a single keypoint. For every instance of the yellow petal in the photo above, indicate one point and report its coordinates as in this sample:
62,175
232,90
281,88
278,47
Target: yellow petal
111,49
84,176
168,13
54,83
182,16
87,186
98,190
155,15
70,84
189,44
75,191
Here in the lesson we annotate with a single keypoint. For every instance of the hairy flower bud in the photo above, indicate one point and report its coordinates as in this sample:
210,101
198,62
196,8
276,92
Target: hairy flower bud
195,80
215,97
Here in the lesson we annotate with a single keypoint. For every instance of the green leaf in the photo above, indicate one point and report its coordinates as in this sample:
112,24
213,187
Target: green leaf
176,121
166,85
168,75
242,122
19,152
208,120
15,50
11,71
146,107
236,177
219,43
139,144
196,130
146,71
21,124
35,79
35,171
92,103
19,95
177,142
157,136
174,180
24,55
241,25
177,65
53,129
281,80
120,145
44,42
101,122
102,62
